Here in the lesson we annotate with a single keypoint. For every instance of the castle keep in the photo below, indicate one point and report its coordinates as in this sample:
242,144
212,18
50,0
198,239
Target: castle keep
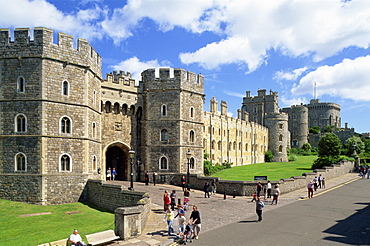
62,123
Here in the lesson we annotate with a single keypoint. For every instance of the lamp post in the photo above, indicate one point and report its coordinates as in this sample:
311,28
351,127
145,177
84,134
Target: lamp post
188,155
131,154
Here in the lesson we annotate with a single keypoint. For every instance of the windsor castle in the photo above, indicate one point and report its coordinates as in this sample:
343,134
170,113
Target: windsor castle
62,123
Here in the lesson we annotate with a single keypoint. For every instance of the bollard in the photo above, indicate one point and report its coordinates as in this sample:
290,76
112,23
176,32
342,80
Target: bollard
234,193
179,201
224,195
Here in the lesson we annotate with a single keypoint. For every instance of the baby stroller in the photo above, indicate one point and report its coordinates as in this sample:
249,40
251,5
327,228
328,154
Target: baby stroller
185,237
186,203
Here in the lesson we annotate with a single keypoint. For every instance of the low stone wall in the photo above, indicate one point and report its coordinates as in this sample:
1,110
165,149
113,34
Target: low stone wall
247,188
131,208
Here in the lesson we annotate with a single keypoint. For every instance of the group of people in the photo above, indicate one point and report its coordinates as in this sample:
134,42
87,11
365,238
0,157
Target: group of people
155,174
267,191
111,174
364,171
210,188
317,182
193,223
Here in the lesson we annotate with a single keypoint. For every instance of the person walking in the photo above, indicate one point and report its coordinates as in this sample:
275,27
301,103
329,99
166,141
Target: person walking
276,194
146,178
265,191
315,183
195,221
206,190
168,217
109,174
183,183
310,189
154,177
259,188
214,186
173,200
319,179
166,200
269,187
259,206
114,173
323,182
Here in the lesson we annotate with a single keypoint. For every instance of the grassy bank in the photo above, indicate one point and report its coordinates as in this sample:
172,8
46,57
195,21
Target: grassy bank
33,230
273,170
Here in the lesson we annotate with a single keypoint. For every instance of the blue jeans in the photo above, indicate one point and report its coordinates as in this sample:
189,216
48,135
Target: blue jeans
170,228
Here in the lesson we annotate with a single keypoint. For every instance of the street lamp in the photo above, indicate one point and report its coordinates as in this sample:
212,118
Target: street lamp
188,155
131,154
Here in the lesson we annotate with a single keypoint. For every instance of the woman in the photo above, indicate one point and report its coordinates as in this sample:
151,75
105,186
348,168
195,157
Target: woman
276,194
168,217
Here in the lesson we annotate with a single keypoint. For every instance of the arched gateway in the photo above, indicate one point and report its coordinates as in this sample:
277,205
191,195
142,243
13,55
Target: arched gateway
116,156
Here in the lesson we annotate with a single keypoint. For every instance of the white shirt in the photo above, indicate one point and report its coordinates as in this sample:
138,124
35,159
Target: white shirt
75,238
268,185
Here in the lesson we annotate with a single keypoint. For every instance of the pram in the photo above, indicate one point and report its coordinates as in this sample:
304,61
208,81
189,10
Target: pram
185,237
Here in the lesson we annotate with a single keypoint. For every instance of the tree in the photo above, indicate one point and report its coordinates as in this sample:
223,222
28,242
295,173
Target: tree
351,142
269,157
306,147
329,145
367,146
328,129
315,129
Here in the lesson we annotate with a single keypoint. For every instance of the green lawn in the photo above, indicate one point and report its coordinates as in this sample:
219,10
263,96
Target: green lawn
273,170
35,230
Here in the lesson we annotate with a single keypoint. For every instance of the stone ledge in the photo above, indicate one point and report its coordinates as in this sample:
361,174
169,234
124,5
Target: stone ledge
101,237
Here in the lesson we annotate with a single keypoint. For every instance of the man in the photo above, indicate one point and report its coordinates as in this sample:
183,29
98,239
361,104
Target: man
269,189
310,189
154,177
194,220
146,178
259,206
76,239
320,180
259,188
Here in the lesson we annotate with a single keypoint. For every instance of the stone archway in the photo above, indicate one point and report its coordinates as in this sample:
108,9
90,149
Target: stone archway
116,157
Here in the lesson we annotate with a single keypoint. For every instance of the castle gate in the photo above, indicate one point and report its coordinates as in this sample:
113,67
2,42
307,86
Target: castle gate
116,157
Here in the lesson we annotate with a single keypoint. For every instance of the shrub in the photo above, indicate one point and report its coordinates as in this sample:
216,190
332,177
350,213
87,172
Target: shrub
315,129
324,161
210,169
269,157
292,157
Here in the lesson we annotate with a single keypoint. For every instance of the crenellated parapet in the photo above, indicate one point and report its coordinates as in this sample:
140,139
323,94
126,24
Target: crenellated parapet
180,78
43,46
121,80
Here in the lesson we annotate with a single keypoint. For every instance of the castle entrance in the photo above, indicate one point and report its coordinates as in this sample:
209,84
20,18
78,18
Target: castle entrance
117,158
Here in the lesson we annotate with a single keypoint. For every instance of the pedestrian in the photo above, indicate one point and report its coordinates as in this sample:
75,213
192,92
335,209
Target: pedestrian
315,183
114,173
109,174
76,239
166,200
206,190
323,182
180,210
265,191
319,179
275,194
259,206
310,189
269,189
214,186
146,178
182,221
173,200
254,197
259,188
183,183
154,177
195,221
168,217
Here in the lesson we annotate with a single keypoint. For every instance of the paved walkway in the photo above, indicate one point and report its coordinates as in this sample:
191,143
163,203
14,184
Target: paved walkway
215,211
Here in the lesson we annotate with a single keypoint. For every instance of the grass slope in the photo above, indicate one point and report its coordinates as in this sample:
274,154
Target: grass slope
35,230
273,170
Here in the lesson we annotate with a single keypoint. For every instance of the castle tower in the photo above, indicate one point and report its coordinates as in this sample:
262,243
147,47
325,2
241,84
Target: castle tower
298,124
50,118
279,137
172,123
323,114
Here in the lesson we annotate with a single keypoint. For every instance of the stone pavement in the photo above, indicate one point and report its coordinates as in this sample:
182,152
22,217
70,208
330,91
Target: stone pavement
215,211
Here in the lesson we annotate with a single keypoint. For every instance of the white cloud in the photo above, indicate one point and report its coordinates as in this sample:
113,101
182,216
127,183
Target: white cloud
349,79
293,75
234,94
287,102
135,66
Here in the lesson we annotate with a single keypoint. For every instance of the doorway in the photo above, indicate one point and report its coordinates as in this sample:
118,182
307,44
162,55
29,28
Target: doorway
117,158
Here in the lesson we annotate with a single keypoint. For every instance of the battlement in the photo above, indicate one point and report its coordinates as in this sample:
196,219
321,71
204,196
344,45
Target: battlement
178,73
118,78
43,43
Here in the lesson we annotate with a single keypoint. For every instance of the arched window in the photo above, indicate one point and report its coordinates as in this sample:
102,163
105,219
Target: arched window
164,135
280,148
65,125
94,130
21,85
192,163
65,88
94,163
164,110
124,109
20,123
234,146
230,146
20,162
108,107
246,147
116,108
240,146
219,145
280,137
132,110
163,163
65,163
213,144
94,98
191,136
191,112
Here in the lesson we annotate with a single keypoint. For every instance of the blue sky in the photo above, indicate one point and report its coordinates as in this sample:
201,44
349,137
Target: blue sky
238,45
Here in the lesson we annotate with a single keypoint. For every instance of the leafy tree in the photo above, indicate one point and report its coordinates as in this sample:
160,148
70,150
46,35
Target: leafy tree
329,129
315,130
329,145
367,146
269,157
351,142
306,147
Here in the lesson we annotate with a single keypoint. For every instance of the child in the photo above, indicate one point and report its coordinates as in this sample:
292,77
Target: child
182,221
254,197
168,217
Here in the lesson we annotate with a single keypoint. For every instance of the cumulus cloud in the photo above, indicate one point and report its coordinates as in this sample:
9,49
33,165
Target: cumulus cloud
290,76
287,102
348,79
135,66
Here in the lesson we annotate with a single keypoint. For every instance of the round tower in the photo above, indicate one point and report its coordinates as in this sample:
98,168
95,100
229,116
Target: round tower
279,138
